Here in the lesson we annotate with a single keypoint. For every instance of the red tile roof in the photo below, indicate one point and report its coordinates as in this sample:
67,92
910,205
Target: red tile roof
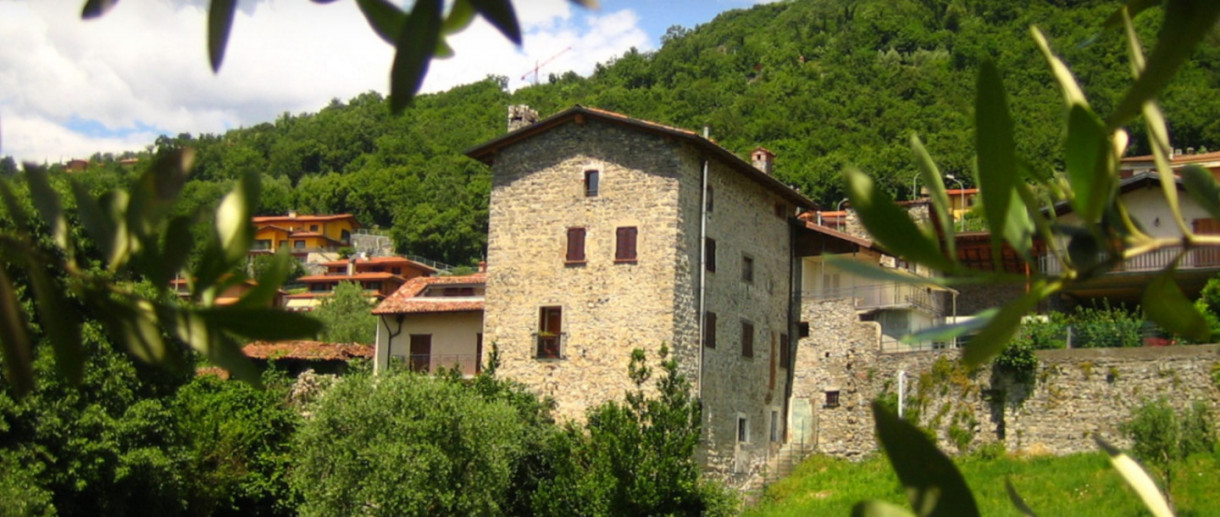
379,261
270,219
370,275
307,350
1181,158
406,299
486,152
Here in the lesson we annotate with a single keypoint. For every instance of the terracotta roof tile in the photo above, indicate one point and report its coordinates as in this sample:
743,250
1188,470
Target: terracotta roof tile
307,350
406,299
380,261
369,275
269,219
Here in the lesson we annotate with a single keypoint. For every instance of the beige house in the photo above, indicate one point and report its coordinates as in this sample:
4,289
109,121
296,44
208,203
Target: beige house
432,322
608,234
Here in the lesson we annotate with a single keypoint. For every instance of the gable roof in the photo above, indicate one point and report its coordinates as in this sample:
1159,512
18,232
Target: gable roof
406,299
271,219
307,350
486,152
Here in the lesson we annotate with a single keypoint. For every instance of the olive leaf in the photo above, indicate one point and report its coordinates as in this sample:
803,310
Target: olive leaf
220,21
1007,217
414,45
933,484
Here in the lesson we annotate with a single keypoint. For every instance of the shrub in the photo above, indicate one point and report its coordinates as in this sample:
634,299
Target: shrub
406,444
1105,327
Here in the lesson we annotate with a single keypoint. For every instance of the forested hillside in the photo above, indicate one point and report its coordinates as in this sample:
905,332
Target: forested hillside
823,83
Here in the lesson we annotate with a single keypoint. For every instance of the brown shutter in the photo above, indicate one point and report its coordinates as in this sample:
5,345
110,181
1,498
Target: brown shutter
709,329
785,354
576,245
624,250
709,249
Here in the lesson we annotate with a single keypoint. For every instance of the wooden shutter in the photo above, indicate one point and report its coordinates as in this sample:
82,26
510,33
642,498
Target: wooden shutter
576,245
709,249
624,249
785,354
709,329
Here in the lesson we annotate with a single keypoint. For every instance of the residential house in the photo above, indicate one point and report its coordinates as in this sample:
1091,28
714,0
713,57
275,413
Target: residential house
433,322
1132,165
400,266
376,285
1144,199
303,233
608,234
230,295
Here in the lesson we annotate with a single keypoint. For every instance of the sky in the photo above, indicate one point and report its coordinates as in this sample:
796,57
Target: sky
71,87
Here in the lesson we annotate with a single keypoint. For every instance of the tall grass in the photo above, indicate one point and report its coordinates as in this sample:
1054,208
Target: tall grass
1080,485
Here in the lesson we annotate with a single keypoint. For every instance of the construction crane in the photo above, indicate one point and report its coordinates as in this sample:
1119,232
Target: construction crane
538,65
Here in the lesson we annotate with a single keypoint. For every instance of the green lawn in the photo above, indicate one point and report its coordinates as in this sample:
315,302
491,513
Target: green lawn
1078,485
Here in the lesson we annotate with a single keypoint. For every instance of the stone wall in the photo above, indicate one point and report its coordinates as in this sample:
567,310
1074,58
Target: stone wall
747,225
1076,393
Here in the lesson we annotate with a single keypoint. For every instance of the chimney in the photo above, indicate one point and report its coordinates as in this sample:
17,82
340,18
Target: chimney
482,266
292,214
351,265
763,159
519,116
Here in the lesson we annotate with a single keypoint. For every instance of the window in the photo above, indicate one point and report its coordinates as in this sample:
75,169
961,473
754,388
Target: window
785,353
709,329
282,244
262,244
313,227
624,246
709,249
802,329
710,199
747,339
396,270
592,178
421,352
319,288
774,425
747,269
466,291
576,246
743,429
298,244
550,332
832,398
781,210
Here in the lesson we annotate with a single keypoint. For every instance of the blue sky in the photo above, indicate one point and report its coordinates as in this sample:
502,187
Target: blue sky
69,87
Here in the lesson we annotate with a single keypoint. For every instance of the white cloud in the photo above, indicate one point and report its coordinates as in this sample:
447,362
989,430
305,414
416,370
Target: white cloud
144,64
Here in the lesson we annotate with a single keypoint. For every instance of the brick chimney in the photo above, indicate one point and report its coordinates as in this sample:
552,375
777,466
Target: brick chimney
519,116
763,159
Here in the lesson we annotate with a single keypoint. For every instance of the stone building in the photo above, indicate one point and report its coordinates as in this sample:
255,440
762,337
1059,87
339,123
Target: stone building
607,234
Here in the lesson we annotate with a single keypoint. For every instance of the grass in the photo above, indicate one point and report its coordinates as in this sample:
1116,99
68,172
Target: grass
1079,485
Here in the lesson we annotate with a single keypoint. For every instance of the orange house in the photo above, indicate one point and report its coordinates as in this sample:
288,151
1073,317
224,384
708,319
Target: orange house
378,276
303,233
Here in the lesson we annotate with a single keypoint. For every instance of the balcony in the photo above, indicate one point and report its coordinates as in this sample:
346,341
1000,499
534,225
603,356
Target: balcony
1199,258
549,345
885,296
467,364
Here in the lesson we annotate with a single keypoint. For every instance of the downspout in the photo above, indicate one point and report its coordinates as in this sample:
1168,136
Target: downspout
794,307
702,270
389,339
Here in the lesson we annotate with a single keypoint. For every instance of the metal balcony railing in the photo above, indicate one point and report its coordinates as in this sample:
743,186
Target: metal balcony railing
1152,261
880,296
468,364
550,345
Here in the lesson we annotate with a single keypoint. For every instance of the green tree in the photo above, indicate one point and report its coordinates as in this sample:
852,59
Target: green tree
637,457
347,315
405,444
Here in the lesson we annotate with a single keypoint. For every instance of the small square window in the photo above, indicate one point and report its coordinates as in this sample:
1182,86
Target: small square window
709,250
802,329
592,180
747,269
832,398
709,329
747,339
300,245
743,429
313,227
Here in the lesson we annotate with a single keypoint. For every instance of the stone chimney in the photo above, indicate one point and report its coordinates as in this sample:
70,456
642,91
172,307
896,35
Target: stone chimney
763,159
519,116
482,266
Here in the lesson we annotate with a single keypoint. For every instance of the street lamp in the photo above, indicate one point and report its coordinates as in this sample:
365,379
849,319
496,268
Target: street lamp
961,190
842,218
914,192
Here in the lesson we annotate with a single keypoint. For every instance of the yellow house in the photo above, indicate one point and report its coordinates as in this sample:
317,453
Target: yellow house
303,233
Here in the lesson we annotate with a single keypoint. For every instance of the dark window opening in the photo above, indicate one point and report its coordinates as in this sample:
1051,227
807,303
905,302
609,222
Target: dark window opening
709,329
710,199
576,245
421,352
624,247
313,227
785,351
832,398
743,429
298,245
747,339
592,178
780,210
709,249
747,269
802,329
